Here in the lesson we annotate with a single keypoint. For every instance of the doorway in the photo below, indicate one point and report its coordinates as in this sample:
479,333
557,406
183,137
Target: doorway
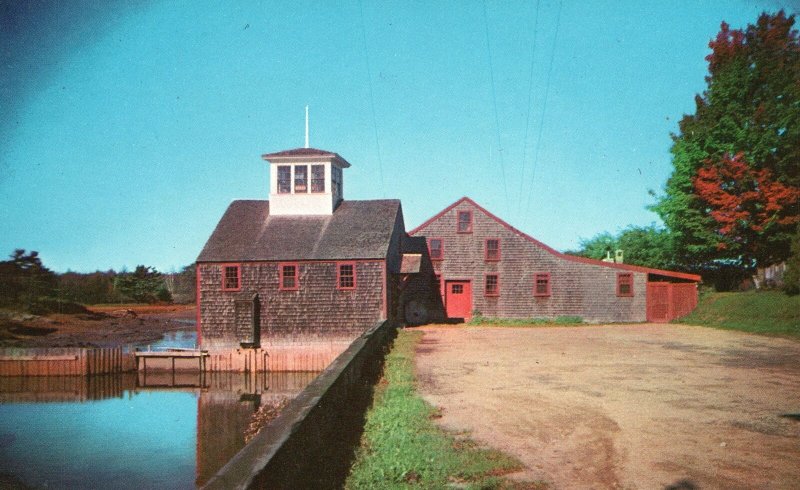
458,299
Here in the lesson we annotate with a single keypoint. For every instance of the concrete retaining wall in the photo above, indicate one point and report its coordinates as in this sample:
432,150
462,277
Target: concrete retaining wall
312,443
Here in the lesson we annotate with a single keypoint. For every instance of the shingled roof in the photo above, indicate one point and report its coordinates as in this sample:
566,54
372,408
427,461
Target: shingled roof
303,154
356,230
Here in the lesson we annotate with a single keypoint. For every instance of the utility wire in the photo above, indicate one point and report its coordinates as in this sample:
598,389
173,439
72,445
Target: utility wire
494,100
544,109
371,96
528,115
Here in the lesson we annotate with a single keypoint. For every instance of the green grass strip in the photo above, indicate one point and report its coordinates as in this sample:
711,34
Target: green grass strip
761,312
560,321
402,447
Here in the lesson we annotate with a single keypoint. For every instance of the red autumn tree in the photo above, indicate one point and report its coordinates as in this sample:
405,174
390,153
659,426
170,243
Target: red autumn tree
750,207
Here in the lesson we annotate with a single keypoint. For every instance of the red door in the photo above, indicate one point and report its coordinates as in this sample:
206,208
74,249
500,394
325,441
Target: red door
667,301
458,299
658,302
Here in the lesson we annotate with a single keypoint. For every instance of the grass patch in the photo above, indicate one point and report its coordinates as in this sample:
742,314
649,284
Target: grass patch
761,312
526,322
402,447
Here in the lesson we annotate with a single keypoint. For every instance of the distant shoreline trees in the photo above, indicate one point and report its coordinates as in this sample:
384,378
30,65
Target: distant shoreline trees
27,285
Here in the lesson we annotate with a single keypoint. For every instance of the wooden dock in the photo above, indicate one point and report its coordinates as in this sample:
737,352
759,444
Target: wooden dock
166,360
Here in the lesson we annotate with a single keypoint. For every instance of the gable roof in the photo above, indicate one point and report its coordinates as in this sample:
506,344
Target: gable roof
355,230
305,154
629,267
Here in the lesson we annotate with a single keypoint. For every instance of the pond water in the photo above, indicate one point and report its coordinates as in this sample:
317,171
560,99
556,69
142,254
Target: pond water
111,432
181,339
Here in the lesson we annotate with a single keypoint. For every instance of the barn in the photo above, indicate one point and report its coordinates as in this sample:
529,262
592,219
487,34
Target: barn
485,265
305,271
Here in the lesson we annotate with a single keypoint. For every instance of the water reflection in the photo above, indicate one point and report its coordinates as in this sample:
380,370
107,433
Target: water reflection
109,431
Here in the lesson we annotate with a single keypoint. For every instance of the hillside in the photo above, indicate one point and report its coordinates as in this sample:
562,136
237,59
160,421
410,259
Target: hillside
765,312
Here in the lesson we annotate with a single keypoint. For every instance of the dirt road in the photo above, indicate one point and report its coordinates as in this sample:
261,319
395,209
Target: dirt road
642,406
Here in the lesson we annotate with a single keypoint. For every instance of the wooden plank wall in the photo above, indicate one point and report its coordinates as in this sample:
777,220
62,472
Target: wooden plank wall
289,358
64,361
87,361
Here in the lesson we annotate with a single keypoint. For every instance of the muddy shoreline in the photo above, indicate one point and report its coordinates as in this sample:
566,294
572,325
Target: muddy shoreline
102,326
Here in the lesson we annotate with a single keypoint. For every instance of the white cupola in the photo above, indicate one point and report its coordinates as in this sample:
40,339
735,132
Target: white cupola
305,181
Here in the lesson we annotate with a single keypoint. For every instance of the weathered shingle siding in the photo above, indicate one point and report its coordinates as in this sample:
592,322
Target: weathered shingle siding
316,311
577,288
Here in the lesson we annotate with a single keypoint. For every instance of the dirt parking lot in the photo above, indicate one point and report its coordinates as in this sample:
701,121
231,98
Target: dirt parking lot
640,406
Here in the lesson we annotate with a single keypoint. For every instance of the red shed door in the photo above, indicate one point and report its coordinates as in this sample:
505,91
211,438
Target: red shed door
658,302
458,299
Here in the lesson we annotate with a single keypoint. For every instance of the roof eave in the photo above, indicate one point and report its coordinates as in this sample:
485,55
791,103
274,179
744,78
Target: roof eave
330,157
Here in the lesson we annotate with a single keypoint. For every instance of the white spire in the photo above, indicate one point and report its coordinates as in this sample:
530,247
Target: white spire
306,126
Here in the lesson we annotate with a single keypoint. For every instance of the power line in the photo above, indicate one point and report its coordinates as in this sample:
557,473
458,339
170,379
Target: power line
494,100
371,96
544,109
528,115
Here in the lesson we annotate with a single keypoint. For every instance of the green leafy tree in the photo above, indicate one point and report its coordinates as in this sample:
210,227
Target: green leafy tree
144,285
749,113
648,246
597,247
791,278
24,279
90,288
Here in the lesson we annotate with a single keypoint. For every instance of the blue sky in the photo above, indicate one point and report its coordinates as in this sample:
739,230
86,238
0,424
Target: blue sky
128,127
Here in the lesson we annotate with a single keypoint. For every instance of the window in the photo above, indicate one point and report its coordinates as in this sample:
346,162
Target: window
318,178
457,289
464,222
625,284
541,284
492,286
284,179
436,249
336,177
346,276
300,178
231,277
288,277
492,249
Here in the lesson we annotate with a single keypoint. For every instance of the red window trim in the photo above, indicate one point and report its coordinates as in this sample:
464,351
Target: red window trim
281,265
458,221
486,250
620,282
338,276
485,289
441,248
536,277
238,276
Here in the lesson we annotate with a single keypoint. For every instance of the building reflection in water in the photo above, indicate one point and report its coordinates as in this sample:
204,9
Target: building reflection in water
225,406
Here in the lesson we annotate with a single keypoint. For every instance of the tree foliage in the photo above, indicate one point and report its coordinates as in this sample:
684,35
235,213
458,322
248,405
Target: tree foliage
89,288
731,194
144,285
791,278
24,279
648,246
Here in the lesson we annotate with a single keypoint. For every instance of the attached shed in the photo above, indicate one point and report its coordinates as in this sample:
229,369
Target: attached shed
484,265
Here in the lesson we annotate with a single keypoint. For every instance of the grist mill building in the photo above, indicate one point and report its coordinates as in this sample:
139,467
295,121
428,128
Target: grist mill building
306,272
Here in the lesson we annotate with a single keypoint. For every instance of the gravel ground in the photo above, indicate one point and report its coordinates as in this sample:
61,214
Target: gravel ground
634,406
